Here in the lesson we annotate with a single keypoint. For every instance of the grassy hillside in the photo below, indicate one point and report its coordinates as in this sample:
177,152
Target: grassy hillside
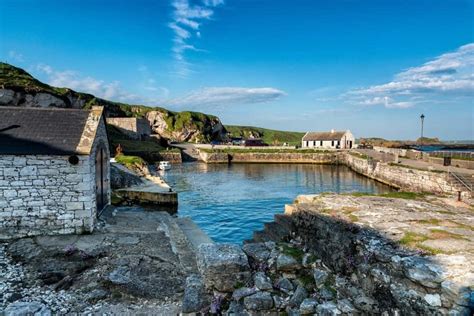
269,136
19,80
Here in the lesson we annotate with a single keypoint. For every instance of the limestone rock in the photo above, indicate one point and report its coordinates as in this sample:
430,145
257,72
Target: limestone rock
257,251
327,309
433,299
298,297
243,292
286,263
195,296
345,306
427,274
259,301
320,276
308,306
236,309
222,266
120,276
27,308
284,285
262,282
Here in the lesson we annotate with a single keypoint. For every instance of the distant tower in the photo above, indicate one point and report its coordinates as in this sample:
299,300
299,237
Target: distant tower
422,117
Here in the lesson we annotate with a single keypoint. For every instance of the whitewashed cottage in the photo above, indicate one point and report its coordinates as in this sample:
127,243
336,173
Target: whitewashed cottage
331,140
54,170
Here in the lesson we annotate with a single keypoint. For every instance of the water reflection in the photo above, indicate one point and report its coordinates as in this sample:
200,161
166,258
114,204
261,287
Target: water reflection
229,202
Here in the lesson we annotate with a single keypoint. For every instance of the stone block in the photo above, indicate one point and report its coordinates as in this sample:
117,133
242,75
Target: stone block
259,301
28,171
222,266
10,172
195,296
10,193
71,206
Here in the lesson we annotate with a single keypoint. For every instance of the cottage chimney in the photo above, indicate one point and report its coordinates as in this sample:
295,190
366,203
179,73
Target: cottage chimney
332,131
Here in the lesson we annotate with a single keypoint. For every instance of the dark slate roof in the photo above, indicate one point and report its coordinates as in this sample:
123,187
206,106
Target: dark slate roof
45,131
337,135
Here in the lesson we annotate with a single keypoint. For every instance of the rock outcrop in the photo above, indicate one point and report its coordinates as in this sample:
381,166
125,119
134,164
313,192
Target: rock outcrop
186,126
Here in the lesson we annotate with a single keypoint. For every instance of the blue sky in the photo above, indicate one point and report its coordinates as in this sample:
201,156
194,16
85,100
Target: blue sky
369,66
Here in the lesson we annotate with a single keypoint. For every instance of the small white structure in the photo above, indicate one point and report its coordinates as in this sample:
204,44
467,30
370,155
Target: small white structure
333,139
54,170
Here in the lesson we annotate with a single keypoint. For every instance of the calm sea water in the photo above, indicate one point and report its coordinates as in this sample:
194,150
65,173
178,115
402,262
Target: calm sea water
230,202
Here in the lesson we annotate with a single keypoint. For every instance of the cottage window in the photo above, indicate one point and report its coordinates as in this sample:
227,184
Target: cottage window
321,143
332,143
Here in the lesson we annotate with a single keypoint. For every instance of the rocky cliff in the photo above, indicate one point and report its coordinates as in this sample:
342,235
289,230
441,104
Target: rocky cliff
19,88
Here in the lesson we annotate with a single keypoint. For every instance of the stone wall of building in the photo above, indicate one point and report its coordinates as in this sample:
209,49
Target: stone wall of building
45,195
132,127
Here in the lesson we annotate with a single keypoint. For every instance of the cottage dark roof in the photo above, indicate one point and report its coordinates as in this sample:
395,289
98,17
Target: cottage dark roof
337,135
46,131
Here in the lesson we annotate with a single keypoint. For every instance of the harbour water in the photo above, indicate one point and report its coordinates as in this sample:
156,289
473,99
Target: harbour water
230,202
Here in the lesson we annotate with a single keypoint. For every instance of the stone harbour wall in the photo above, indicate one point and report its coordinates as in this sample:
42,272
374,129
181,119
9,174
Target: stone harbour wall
370,267
407,179
313,158
45,195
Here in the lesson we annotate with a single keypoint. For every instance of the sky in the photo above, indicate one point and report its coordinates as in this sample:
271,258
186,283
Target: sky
304,65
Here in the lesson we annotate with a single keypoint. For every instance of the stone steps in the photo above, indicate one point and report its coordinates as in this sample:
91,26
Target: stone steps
277,230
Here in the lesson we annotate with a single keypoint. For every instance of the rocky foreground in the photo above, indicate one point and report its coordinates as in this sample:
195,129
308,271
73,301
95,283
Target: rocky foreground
328,255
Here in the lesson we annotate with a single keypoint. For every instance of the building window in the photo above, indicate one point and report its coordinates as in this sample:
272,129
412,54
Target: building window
332,143
321,144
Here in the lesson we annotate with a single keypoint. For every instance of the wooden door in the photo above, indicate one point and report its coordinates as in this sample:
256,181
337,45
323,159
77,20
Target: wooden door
100,180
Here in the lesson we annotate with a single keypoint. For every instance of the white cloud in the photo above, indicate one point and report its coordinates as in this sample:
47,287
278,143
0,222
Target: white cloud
450,74
222,96
186,22
15,56
73,80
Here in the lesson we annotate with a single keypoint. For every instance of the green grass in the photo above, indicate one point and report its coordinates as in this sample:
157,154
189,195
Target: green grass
292,251
396,195
269,136
130,161
411,238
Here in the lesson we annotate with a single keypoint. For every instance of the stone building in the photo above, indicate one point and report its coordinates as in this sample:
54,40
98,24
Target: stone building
135,128
333,139
54,170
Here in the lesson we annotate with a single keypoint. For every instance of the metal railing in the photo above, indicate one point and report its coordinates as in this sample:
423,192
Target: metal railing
461,180
452,154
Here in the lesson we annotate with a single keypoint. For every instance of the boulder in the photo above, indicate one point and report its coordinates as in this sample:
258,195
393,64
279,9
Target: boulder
286,263
345,306
422,271
257,251
320,276
243,292
308,306
222,266
284,285
236,309
327,309
259,301
195,295
298,297
262,282
120,275
27,308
